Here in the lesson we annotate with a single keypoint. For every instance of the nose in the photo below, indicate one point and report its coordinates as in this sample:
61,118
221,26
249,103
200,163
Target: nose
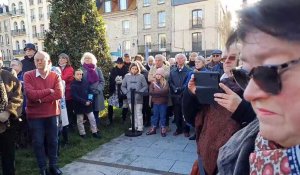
254,92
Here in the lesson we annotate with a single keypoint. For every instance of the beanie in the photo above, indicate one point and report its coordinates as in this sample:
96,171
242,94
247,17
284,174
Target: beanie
160,71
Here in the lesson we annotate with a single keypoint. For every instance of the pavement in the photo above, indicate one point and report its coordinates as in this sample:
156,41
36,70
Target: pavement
143,155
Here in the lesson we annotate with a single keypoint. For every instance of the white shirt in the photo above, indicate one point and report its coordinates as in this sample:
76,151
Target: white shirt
37,74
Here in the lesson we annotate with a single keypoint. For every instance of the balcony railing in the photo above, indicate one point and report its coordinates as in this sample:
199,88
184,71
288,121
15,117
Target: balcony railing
18,32
154,48
196,24
32,18
19,12
18,52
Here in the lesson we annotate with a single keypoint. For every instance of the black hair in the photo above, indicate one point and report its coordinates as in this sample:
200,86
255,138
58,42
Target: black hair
279,18
232,38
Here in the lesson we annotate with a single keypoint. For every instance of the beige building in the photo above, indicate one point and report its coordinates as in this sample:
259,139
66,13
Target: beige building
38,21
121,26
5,34
154,26
196,26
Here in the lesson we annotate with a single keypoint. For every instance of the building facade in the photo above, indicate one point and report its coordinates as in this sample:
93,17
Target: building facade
120,18
5,34
154,27
196,26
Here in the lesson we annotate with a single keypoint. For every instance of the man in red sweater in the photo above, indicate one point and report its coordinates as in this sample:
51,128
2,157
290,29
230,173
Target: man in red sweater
43,90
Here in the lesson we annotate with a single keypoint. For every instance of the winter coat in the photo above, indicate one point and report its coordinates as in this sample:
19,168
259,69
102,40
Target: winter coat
28,64
67,76
215,67
178,82
233,157
153,71
79,92
136,82
98,102
159,95
113,74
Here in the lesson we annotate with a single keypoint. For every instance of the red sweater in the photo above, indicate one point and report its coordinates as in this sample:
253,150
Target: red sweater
38,89
67,76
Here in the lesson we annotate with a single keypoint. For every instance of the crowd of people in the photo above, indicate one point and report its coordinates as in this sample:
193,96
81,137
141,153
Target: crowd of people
252,127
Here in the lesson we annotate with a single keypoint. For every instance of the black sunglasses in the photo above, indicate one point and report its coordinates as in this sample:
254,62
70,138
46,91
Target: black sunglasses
266,77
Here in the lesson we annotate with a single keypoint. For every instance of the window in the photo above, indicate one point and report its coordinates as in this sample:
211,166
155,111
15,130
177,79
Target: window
17,45
123,4
32,14
146,3
160,1
5,26
34,31
49,9
15,26
1,40
125,26
23,43
40,1
13,8
7,39
21,8
147,21
196,41
107,6
162,19
31,2
0,27
162,39
148,41
126,46
41,15
197,16
22,25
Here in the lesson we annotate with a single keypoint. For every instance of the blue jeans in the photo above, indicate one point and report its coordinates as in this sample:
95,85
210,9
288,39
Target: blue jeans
44,129
159,113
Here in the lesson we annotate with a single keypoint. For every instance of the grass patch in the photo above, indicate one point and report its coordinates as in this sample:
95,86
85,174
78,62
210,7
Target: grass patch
25,158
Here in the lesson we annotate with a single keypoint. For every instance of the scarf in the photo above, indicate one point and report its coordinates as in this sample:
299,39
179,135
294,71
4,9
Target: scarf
270,158
3,95
92,76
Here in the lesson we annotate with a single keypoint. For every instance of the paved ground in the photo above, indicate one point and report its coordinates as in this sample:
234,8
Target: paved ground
143,155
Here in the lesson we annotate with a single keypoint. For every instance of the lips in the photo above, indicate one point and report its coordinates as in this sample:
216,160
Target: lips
265,112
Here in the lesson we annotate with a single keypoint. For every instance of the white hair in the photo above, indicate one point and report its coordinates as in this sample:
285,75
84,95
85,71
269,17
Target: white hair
160,56
150,58
180,55
45,54
89,55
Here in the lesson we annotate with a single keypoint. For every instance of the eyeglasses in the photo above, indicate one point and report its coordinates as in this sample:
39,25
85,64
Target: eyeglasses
215,55
266,77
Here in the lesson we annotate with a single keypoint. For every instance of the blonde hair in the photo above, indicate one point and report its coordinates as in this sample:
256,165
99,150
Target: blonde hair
163,82
89,55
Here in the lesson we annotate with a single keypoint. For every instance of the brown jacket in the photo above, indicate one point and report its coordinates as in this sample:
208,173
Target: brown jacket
159,95
14,93
214,126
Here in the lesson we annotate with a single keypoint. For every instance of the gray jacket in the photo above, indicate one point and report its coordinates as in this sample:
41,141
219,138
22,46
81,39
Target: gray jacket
98,102
137,82
233,157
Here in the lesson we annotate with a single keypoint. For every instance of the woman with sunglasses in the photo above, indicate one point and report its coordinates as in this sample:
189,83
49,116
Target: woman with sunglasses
217,121
270,35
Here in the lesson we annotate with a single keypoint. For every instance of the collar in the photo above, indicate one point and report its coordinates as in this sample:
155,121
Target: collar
37,74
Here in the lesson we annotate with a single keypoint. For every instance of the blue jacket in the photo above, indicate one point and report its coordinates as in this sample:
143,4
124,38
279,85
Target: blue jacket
79,91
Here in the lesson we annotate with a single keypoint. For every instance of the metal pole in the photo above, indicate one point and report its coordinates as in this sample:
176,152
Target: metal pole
132,110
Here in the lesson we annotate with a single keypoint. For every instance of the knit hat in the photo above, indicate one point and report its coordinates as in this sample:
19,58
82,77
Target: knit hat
160,71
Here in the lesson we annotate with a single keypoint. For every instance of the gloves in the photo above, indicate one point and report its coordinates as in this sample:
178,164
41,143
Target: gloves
118,80
4,116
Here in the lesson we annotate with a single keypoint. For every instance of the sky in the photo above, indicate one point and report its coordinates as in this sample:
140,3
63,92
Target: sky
3,2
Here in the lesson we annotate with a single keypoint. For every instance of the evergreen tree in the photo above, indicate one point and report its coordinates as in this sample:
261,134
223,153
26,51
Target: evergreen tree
76,27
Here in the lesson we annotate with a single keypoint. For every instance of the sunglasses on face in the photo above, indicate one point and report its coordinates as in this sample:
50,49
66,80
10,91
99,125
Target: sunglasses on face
230,58
216,56
266,77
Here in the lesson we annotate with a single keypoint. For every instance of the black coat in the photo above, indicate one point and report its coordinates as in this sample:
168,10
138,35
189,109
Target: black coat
113,74
28,64
79,90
